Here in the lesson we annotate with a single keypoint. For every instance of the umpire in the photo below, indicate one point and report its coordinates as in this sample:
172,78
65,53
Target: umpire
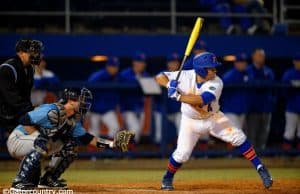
16,82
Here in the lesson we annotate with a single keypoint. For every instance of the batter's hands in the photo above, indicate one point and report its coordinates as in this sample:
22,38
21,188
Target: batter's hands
172,90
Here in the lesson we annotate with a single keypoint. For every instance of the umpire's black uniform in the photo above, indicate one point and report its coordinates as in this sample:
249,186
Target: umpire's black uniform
16,82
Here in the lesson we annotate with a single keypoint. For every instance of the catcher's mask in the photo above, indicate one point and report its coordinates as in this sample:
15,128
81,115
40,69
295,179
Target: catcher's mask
33,47
84,96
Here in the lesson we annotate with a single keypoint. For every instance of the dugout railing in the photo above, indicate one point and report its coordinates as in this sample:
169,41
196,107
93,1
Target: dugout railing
173,15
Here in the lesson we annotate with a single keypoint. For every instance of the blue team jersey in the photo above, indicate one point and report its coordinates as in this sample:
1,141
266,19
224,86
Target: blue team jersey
104,100
46,81
131,101
235,100
292,95
261,99
188,65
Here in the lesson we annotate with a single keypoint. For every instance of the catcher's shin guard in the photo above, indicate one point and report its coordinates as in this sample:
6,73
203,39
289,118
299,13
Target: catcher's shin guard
58,164
29,170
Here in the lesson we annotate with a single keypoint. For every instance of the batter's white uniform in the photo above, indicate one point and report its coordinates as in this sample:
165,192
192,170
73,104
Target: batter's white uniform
197,121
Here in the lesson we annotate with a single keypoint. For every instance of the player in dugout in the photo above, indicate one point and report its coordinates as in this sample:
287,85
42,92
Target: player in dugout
235,100
292,114
106,102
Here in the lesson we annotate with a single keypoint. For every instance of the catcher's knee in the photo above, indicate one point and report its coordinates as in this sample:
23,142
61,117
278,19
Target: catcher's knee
40,145
69,150
181,156
238,137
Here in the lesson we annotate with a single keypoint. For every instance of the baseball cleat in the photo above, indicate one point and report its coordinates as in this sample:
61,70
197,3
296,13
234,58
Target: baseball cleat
18,185
167,184
265,176
49,183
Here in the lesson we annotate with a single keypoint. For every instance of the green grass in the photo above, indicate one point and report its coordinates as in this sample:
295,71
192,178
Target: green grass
117,176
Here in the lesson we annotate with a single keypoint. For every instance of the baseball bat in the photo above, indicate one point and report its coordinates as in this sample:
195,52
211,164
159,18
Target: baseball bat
192,40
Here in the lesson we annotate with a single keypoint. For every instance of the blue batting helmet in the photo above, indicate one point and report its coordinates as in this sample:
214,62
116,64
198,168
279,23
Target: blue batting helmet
113,61
200,45
173,57
241,57
204,60
139,56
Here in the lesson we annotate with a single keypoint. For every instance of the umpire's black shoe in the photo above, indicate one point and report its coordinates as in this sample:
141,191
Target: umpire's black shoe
49,183
265,176
20,185
167,184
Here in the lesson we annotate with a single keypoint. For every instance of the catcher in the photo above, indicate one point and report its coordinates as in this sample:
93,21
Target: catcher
55,130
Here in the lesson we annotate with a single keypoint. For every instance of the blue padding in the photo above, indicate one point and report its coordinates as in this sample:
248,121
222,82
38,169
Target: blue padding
88,45
207,97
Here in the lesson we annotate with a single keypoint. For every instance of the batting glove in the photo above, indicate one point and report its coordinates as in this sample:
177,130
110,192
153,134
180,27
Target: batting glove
172,90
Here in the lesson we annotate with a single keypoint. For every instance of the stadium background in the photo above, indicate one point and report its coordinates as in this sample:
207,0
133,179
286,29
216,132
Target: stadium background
74,31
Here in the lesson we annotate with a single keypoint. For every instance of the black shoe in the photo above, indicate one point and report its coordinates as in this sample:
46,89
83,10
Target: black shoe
265,176
49,183
20,185
167,184
62,180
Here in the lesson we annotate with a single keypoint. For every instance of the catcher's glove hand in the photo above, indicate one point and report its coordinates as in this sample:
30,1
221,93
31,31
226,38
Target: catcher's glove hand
122,139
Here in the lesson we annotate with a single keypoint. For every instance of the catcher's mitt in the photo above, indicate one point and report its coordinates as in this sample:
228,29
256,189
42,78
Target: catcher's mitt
122,139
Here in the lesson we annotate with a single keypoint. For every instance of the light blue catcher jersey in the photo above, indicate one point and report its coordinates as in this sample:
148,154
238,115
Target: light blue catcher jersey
39,117
78,130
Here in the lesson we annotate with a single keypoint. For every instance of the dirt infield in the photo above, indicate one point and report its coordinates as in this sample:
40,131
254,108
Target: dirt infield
198,176
202,187
205,187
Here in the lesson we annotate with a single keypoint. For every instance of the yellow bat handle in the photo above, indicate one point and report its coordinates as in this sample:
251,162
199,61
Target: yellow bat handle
194,36
192,40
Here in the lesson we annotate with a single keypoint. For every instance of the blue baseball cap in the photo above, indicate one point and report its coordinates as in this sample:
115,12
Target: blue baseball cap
297,56
173,57
241,57
139,56
200,45
113,61
205,60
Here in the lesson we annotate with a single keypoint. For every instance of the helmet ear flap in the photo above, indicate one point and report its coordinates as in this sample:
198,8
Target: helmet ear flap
202,72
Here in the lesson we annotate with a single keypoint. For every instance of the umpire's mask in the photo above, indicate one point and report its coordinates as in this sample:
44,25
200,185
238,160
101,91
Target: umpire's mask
33,47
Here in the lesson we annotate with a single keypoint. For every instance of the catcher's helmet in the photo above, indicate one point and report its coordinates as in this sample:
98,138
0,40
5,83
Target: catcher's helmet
204,60
33,47
84,96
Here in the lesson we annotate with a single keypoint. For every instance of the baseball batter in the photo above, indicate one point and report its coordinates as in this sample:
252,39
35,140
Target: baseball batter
199,91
